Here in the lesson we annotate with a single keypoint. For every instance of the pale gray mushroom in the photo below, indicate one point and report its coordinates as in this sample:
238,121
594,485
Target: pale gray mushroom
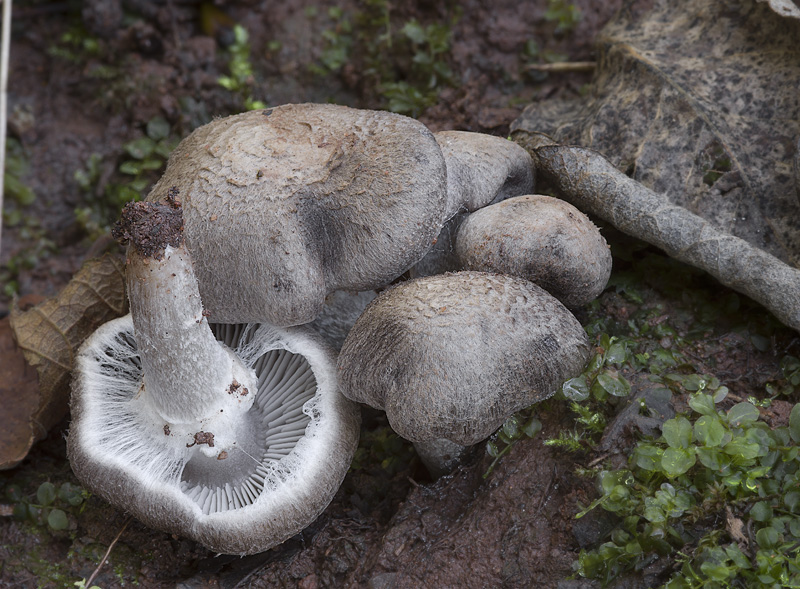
238,445
541,238
285,205
312,198
450,357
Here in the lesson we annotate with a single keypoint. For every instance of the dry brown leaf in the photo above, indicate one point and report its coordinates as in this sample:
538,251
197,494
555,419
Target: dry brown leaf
18,400
698,100
50,333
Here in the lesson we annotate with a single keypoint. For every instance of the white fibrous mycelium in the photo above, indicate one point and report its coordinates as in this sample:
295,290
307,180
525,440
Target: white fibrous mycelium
235,436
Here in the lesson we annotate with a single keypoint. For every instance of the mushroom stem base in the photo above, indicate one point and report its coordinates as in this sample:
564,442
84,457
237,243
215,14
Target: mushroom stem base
440,456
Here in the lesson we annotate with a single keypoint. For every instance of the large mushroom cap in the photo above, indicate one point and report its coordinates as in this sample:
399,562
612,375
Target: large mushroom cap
541,238
285,205
293,445
452,356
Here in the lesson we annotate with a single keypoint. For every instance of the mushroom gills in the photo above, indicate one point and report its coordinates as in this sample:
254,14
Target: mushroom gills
271,429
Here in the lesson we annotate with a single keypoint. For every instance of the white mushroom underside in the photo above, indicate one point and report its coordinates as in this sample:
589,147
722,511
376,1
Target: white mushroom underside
277,422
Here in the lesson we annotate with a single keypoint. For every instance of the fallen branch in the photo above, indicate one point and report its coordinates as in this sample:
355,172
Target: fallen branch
588,181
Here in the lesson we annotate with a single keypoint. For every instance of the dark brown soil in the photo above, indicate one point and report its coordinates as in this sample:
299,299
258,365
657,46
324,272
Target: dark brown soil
389,526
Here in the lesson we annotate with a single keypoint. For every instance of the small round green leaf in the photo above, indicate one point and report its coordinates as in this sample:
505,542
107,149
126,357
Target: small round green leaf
709,430
710,458
131,167
157,128
46,493
794,527
140,148
794,423
511,428
761,511
576,389
742,413
702,403
648,457
57,520
694,382
676,461
616,354
491,449
614,383
741,451
677,432
767,537
720,394
716,572
532,427
792,500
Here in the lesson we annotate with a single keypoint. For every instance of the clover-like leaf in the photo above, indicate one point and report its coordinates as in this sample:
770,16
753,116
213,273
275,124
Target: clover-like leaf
676,461
677,432
709,430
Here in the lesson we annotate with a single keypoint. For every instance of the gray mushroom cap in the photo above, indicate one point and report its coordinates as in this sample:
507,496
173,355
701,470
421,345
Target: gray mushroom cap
293,445
452,356
283,206
481,169
540,238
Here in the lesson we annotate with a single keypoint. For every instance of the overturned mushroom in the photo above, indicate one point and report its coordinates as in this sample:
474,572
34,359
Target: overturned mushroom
450,357
238,445
541,238
312,198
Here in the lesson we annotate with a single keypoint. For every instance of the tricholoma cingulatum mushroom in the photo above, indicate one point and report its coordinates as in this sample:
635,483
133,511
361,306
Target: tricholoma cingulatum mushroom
451,356
237,435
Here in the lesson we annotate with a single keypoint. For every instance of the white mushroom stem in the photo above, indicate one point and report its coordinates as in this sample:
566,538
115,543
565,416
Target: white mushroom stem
197,386
186,370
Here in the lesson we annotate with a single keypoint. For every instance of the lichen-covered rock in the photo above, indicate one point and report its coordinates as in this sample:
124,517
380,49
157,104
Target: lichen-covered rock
452,356
541,238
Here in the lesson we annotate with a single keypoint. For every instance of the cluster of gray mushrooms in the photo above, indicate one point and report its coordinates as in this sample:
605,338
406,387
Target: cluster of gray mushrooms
223,407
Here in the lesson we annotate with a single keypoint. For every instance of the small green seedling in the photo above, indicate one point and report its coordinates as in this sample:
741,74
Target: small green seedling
145,157
519,426
566,16
51,505
241,79
719,492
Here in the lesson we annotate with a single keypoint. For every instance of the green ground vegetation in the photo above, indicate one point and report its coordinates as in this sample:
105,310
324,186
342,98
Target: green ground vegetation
404,62
143,159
